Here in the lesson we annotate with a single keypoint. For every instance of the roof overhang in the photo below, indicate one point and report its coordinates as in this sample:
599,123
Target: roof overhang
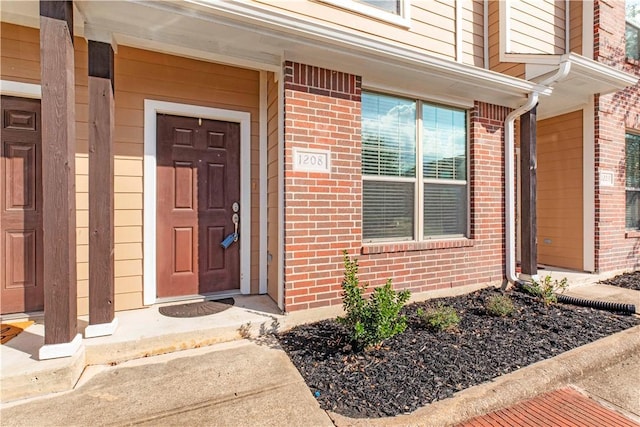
259,36
585,78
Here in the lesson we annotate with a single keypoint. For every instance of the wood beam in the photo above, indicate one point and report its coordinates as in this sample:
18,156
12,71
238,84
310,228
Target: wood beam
58,178
528,183
101,172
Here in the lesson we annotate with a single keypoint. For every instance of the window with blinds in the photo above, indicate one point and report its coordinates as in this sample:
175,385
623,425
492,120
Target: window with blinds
406,199
632,182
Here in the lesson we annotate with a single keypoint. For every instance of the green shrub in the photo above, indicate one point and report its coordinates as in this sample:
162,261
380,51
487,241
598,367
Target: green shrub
370,321
545,289
499,305
441,317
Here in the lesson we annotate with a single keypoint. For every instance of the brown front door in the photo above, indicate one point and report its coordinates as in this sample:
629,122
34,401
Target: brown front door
21,217
198,180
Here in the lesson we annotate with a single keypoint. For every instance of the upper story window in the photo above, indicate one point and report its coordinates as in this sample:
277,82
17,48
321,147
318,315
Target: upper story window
392,11
391,6
414,166
632,182
632,29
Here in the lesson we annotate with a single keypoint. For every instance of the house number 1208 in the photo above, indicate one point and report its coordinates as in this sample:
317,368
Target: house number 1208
311,160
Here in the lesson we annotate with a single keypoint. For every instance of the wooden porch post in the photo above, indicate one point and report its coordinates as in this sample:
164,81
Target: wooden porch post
528,166
101,129
58,180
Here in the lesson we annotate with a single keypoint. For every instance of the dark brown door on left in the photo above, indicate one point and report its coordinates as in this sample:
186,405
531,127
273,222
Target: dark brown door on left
21,217
198,182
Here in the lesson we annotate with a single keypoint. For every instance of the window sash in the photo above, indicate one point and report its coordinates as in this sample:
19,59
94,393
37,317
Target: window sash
632,181
457,178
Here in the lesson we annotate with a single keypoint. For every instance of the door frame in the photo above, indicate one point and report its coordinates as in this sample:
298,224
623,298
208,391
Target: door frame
151,110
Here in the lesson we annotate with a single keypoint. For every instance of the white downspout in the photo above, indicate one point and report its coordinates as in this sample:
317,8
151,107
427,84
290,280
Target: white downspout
509,167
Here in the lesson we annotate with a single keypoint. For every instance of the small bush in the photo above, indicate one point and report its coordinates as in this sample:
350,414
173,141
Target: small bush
440,318
545,289
499,305
370,321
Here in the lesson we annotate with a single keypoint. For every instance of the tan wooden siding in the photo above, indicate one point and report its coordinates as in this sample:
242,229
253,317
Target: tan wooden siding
273,200
432,23
511,68
472,32
537,26
560,190
575,29
20,53
139,75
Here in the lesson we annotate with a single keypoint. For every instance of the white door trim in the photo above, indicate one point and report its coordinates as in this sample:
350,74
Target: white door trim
151,110
23,90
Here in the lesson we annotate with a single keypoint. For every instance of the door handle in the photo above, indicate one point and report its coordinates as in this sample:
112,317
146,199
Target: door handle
233,237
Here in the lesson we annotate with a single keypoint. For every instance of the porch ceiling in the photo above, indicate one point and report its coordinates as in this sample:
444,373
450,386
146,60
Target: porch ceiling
259,37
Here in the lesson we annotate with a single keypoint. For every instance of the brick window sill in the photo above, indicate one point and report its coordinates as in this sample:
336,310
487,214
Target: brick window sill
632,234
381,248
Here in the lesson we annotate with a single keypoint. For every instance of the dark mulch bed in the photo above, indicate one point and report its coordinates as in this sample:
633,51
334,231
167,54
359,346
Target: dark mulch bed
420,366
627,280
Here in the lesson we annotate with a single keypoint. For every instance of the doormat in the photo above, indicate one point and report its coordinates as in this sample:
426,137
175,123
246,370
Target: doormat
197,309
11,330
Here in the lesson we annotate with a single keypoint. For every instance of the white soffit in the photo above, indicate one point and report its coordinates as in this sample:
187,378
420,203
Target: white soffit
586,77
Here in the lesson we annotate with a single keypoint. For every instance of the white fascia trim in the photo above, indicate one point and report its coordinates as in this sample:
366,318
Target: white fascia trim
151,109
402,20
262,278
589,185
23,90
365,46
55,351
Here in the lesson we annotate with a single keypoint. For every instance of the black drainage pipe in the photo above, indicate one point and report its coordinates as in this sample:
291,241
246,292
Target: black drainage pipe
602,305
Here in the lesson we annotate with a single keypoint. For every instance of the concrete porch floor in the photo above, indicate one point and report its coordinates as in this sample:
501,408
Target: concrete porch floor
140,333
145,332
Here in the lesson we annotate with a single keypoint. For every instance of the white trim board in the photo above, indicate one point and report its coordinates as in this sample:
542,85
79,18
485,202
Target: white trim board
24,90
151,109
262,279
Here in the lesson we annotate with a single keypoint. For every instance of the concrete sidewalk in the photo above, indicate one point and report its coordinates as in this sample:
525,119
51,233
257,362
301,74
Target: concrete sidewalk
232,384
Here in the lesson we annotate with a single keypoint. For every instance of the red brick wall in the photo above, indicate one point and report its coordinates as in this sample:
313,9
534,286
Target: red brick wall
323,212
614,114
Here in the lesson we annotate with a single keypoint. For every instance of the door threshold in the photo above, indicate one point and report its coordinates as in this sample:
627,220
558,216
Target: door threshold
36,316
199,297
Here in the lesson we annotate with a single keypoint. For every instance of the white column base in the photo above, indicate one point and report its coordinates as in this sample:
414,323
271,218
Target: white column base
54,351
528,278
101,329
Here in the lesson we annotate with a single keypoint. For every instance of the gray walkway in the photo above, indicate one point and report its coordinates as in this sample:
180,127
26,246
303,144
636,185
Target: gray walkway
231,384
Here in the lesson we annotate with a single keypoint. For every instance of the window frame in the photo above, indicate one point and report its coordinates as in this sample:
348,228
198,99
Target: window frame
403,19
637,31
419,180
630,189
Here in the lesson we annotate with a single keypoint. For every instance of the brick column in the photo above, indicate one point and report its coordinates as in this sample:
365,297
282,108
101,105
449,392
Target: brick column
615,248
322,213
